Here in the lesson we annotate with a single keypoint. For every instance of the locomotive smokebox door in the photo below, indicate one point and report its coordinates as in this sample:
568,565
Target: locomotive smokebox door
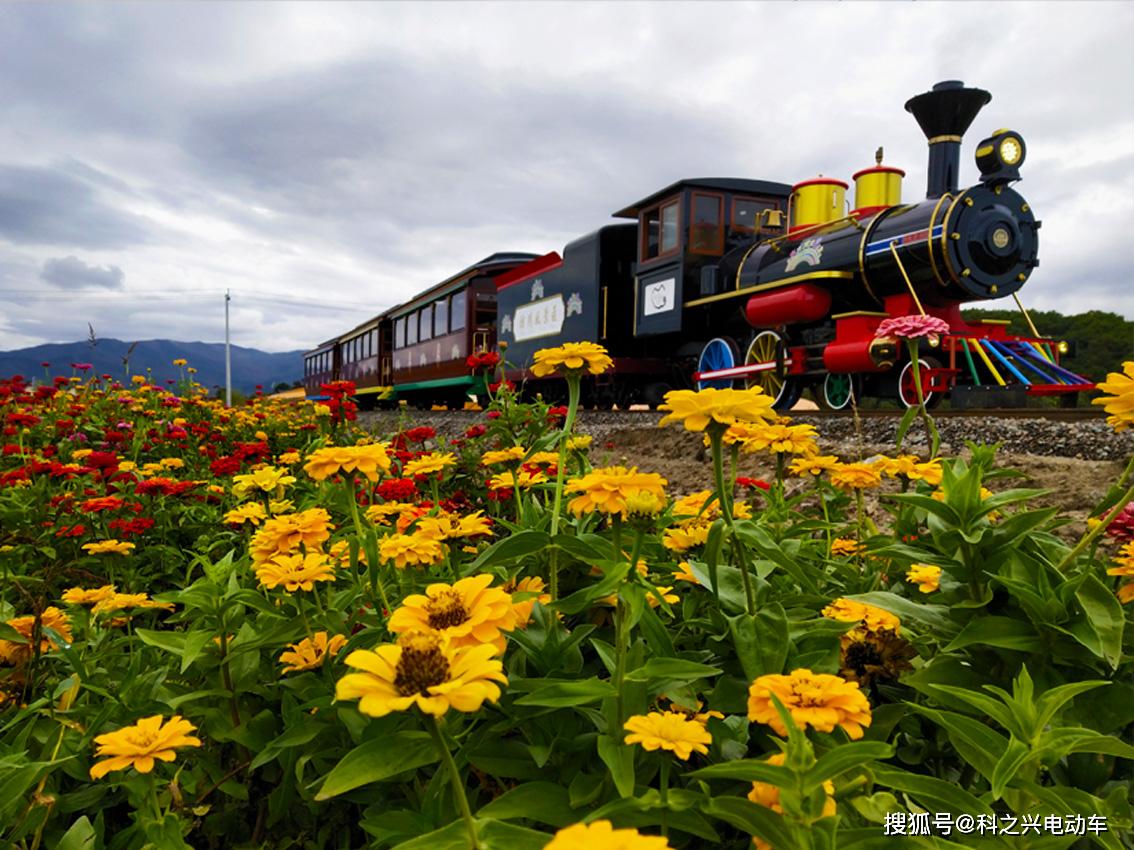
659,302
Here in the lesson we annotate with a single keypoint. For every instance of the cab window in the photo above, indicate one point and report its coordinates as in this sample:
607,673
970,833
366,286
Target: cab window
706,232
746,213
660,230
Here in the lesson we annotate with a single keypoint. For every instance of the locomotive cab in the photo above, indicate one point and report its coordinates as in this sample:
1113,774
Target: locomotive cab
683,232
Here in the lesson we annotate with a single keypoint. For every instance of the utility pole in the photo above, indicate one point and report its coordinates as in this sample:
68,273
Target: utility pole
227,356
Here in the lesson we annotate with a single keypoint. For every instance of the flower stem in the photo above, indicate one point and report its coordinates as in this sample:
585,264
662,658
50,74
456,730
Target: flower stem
1097,530
663,795
724,497
574,381
455,777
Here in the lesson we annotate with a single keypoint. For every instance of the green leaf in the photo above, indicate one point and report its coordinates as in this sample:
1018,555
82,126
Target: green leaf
545,802
81,836
747,770
171,642
1062,740
455,836
845,757
563,694
195,643
761,640
753,819
934,794
495,835
1009,765
295,736
985,704
1054,699
976,743
1104,617
1001,632
583,597
512,548
904,426
619,760
671,670
377,760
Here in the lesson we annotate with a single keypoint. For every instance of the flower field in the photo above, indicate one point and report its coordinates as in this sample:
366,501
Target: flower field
262,627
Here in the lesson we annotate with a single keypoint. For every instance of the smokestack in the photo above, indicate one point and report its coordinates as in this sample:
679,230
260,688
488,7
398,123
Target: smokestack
944,115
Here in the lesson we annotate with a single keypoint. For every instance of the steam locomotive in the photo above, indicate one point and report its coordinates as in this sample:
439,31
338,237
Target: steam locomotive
738,282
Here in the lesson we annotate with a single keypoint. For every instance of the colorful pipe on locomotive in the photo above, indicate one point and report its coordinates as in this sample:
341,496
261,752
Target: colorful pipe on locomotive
725,282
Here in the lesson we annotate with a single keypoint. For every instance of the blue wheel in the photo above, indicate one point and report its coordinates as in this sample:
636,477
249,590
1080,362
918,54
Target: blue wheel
718,353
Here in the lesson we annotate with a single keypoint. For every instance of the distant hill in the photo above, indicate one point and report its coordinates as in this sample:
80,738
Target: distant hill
250,366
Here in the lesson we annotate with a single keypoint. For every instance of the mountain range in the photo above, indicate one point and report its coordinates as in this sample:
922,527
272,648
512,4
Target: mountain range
250,366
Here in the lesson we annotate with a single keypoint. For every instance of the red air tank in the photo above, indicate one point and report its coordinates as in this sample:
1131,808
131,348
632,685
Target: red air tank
788,305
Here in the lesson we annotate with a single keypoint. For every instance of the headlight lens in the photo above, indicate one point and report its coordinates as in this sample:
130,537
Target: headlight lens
1010,150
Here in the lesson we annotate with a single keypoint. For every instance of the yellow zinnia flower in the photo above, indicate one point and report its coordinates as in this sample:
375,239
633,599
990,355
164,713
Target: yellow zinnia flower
524,481
668,730
285,533
296,572
379,514
686,536
311,652
448,526
252,512
368,460
601,835
929,472
467,613
266,479
571,357
180,361
869,616
407,549
511,453
1125,568
422,669
1120,403
430,463
122,601
290,457
103,547
855,476
606,490
696,409
579,443
51,618
523,608
697,507
171,463
815,465
139,745
781,439
78,596
847,547
819,700
767,795
925,576
685,573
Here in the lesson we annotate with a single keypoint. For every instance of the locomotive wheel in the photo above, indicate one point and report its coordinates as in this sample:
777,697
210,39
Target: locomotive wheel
838,391
771,347
718,353
907,390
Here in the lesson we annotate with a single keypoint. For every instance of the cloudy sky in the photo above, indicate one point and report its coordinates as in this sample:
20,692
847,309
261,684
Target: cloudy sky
326,161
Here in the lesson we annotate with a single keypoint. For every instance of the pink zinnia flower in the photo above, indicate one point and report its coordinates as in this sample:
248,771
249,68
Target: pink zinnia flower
910,327
82,367
1122,526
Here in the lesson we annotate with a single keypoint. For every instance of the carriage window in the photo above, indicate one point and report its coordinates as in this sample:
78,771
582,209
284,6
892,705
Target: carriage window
706,233
460,307
411,328
400,333
441,317
746,212
426,323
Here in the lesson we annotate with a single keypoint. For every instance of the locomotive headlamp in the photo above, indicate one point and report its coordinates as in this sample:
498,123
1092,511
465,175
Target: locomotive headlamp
1063,346
934,340
1000,156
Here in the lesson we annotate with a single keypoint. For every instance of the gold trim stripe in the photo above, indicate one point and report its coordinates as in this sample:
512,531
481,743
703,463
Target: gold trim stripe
775,284
859,313
936,140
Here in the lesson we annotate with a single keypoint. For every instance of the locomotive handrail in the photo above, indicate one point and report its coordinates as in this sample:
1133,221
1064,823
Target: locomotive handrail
906,277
